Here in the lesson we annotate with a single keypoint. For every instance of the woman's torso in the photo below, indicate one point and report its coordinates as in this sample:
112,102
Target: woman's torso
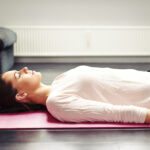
115,86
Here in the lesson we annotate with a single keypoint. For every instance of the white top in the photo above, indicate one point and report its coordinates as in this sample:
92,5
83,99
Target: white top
95,94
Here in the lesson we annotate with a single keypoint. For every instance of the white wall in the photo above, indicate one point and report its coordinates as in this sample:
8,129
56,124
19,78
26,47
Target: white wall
132,41
75,12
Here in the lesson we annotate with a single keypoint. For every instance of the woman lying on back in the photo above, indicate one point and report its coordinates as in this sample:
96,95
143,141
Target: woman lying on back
82,94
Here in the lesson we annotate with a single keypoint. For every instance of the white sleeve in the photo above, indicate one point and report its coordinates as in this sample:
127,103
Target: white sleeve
77,109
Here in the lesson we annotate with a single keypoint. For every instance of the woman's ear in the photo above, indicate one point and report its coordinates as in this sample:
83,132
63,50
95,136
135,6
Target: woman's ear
21,96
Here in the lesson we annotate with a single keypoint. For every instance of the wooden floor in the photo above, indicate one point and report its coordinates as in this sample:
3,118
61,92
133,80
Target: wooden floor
74,139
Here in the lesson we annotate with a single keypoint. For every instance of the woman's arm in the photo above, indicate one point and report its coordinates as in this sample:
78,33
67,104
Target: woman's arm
76,109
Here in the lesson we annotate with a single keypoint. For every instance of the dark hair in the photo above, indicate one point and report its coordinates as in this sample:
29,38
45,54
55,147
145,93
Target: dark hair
8,102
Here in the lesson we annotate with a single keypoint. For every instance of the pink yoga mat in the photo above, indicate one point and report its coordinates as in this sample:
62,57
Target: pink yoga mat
44,120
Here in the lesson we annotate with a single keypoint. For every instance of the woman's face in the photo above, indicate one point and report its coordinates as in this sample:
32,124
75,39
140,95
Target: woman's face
24,79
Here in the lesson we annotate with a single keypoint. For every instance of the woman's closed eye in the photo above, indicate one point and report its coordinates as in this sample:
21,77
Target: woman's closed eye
17,74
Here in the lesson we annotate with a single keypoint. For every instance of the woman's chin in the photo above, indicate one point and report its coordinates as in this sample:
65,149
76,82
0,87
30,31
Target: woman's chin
37,75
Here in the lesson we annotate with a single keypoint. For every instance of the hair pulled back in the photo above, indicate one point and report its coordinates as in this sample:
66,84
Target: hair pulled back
8,102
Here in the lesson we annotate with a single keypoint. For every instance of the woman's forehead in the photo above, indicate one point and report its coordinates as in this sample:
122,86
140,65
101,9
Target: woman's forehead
9,76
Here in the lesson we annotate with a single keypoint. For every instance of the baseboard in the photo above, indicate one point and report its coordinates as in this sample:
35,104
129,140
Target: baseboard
85,59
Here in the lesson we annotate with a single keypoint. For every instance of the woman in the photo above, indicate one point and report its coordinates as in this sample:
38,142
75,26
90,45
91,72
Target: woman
84,94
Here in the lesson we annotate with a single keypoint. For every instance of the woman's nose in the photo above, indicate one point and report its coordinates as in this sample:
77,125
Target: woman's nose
25,69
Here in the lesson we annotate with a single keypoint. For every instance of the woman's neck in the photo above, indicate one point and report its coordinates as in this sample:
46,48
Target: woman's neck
41,94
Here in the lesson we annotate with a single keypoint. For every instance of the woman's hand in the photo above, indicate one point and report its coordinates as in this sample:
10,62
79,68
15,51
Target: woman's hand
147,120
